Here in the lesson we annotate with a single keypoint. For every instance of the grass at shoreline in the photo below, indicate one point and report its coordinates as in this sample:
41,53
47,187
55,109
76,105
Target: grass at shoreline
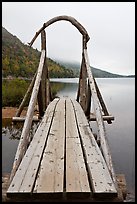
13,91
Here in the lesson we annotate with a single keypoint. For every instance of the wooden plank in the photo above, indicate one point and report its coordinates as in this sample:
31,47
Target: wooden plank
25,176
99,119
51,174
100,178
30,176
76,174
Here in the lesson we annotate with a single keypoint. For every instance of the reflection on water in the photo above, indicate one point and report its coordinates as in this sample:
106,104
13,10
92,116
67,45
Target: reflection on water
68,87
9,128
119,96
10,139
67,90
11,133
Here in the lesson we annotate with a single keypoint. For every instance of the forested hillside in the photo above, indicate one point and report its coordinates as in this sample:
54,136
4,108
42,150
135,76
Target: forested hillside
19,60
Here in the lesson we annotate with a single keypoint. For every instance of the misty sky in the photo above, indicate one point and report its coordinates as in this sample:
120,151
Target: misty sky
110,25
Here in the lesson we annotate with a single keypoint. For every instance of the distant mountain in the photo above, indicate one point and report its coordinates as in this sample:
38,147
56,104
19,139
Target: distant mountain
98,73
131,76
20,60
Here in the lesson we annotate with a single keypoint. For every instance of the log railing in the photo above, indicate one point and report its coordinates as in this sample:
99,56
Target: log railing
99,118
88,90
40,93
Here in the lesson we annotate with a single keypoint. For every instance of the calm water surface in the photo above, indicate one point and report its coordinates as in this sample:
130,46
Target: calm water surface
119,96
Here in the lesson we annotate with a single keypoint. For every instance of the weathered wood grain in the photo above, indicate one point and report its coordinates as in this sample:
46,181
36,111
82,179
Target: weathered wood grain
24,140
22,119
99,119
76,174
25,176
72,20
51,174
92,117
100,178
83,86
42,92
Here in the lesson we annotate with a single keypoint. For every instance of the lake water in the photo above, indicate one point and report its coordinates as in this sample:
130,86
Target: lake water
119,97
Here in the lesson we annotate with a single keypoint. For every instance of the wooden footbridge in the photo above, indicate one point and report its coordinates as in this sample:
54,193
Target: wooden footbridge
64,160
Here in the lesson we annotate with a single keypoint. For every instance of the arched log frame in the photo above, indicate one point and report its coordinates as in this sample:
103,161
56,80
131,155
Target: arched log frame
85,91
72,20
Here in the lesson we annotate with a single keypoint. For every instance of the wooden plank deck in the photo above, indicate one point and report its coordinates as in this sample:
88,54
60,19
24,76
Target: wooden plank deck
63,159
76,174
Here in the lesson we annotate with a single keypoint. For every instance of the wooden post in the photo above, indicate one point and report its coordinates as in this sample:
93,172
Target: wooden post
83,80
104,108
80,77
44,95
47,91
83,86
50,94
26,96
48,87
41,93
40,101
24,140
88,105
